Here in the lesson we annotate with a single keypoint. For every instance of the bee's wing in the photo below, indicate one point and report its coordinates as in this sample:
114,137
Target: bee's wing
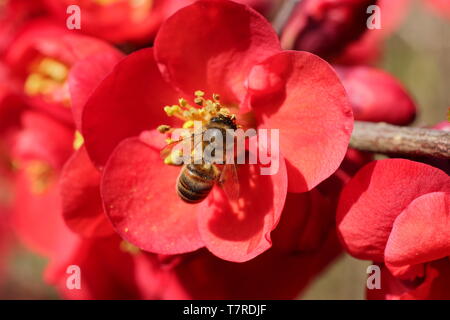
165,152
229,181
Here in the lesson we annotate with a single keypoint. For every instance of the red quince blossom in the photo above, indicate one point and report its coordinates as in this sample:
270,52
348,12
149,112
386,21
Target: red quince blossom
42,60
127,20
118,20
291,265
272,275
326,27
295,92
108,264
395,212
304,243
56,72
110,269
376,96
42,145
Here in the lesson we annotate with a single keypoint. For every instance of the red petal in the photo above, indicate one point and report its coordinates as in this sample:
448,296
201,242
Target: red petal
272,275
212,45
433,286
81,202
107,272
306,221
37,218
45,139
86,75
429,217
128,101
372,200
377,96
118,21
300,94
44,38
239,231
140,198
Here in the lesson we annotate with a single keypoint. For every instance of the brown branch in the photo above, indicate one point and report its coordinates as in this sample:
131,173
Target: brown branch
389,139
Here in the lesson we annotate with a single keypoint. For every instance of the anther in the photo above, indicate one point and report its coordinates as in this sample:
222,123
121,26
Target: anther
163,128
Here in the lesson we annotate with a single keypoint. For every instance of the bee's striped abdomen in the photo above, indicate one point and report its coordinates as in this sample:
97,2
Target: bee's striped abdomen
195,182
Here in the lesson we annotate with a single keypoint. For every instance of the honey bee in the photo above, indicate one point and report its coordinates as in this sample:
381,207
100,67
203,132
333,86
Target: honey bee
196,181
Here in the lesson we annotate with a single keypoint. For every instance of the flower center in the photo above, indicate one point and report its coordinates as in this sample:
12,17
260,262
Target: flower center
203,110
41,176
48,78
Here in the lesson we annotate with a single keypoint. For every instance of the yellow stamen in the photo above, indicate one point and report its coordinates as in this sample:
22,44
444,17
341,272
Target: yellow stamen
163,128
188,124
168,160
53,69
78,140
125,246
41,176
199,93
48,77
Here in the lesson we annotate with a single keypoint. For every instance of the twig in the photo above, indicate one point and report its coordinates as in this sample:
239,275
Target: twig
390,139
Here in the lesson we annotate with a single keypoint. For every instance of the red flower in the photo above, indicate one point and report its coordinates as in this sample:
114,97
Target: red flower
326,27
118,21
41,148
272,275
294,91
292,266
110,269
386,208
55,69
44,137
109,266
42,60
304,243
125,20
377,96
